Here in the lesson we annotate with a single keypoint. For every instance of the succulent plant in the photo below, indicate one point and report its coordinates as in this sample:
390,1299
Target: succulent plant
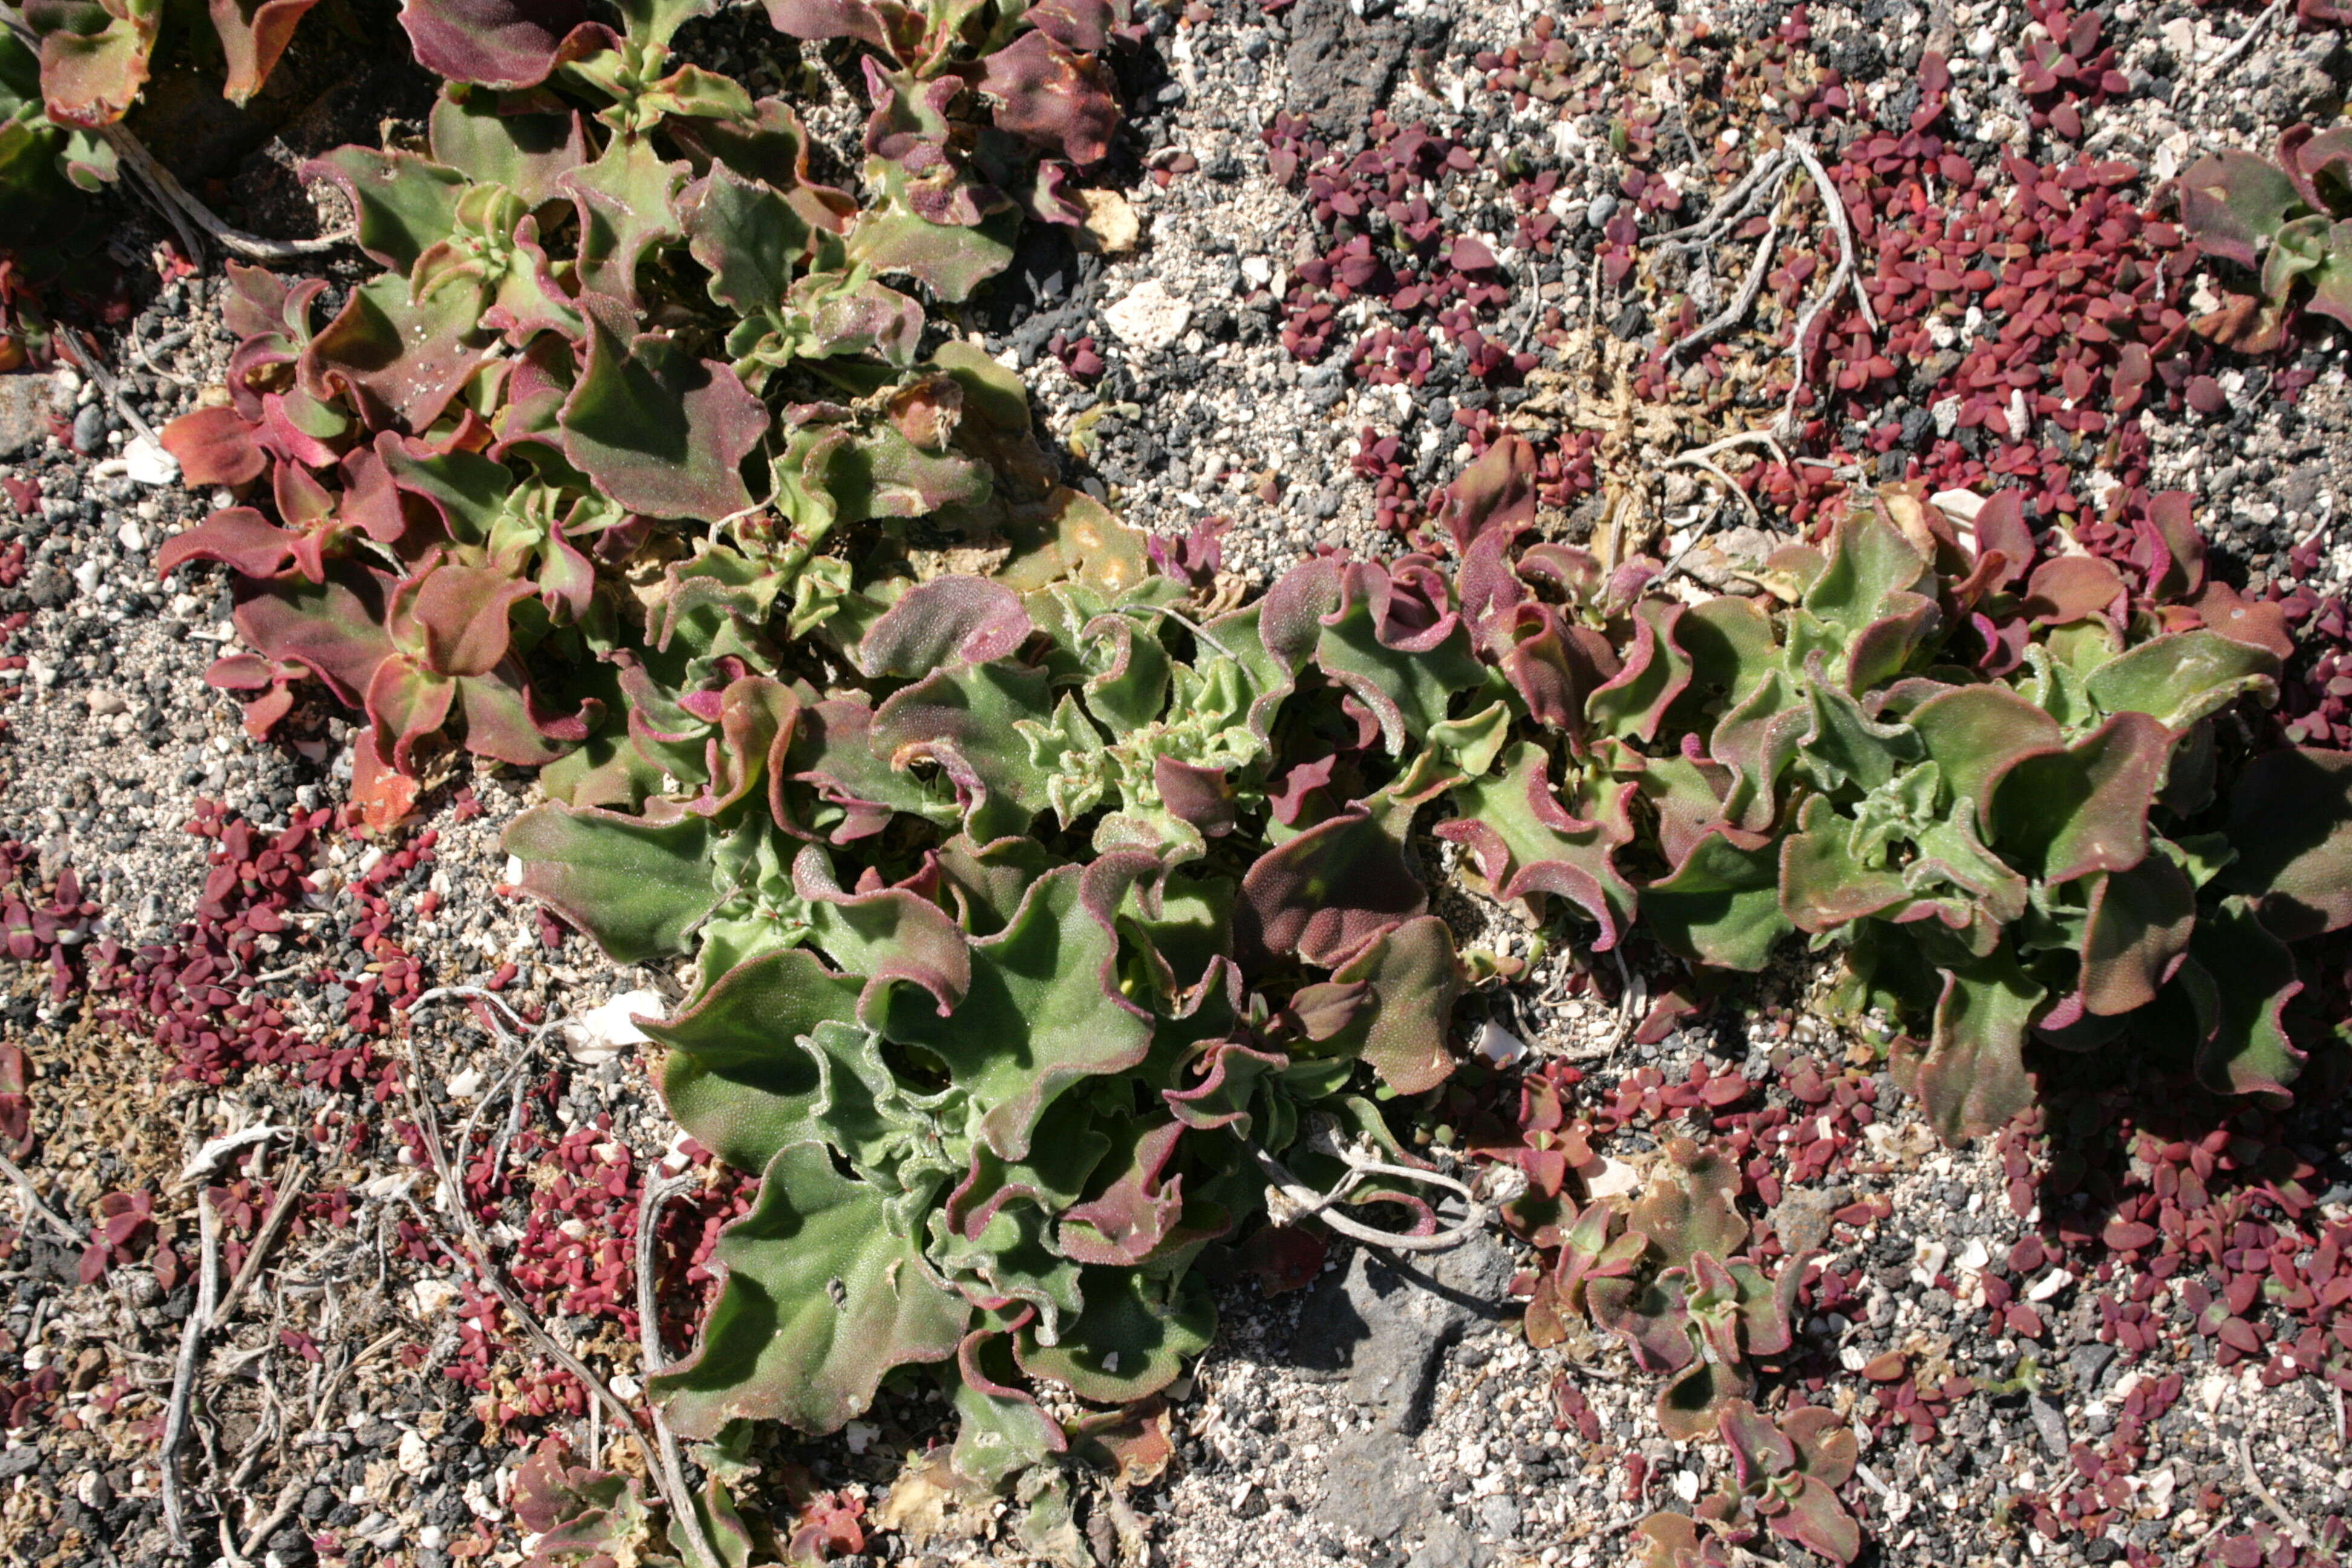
40,158
2288,222
993,1081
1687,1301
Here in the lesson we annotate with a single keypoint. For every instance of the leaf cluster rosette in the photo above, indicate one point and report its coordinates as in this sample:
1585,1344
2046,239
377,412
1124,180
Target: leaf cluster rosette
2285,221
995,973
2003,785
1786,1474
94,56
626,367
41,160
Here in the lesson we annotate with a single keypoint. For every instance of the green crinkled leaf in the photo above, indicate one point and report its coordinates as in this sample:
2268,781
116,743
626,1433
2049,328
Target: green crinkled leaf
1721,906
528,153
1525,841
663,432
1872,572
950,260
1823,884
2232,201
406,204
1974,733
1040,1016
1002,1432
2138,926
748,237
736,1077
1973,1079
1631,704
2181,677
637,887
2066,812
1412,978
2291,824
2251,977
1136,1332
962,719
1407,691
822,1299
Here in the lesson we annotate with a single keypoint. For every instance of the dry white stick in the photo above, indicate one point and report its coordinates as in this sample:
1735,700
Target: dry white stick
1738,309
252,247
205,1161
184,1374
657,1192
1833,204
1308,1202
2296,1530
272,1228
476,1256
34,1206
2229,57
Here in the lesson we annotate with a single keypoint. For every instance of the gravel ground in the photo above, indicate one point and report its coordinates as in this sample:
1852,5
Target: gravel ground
354,1410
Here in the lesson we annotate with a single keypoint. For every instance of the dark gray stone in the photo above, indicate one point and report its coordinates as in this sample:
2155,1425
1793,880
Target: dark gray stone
1448,1545
2050,1422
1385,1323
23,413
1340,67
1375,1485
17,1462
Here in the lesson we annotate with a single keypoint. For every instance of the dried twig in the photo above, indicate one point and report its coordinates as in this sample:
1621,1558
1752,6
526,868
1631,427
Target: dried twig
476,1256
657,1192
281,1211
1833,204
80,350
252,247
1738,309
205,1161
184,1374
34,1206
2296,1530
2229,57
1729,209
1308,1202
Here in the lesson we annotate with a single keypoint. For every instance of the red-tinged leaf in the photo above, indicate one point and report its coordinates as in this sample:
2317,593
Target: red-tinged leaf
1817,1522
499,43
663,432
405,705
1328,893
455,617
947,621
2125,1236
401,362
252,35
2232,201
93,56
2137,929
2069,811
1052,98
2240,1336
2022,1321
2291,823
238,537
214,447
1471,255
334,629
2068,588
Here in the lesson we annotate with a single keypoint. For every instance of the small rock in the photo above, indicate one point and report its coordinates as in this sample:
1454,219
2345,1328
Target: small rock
1149,317
600,1033
1603,209
148,464
1499,1516
1374,1484
1448,1545
2051,1425
90,427
2088,1362
1111,226
23,413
